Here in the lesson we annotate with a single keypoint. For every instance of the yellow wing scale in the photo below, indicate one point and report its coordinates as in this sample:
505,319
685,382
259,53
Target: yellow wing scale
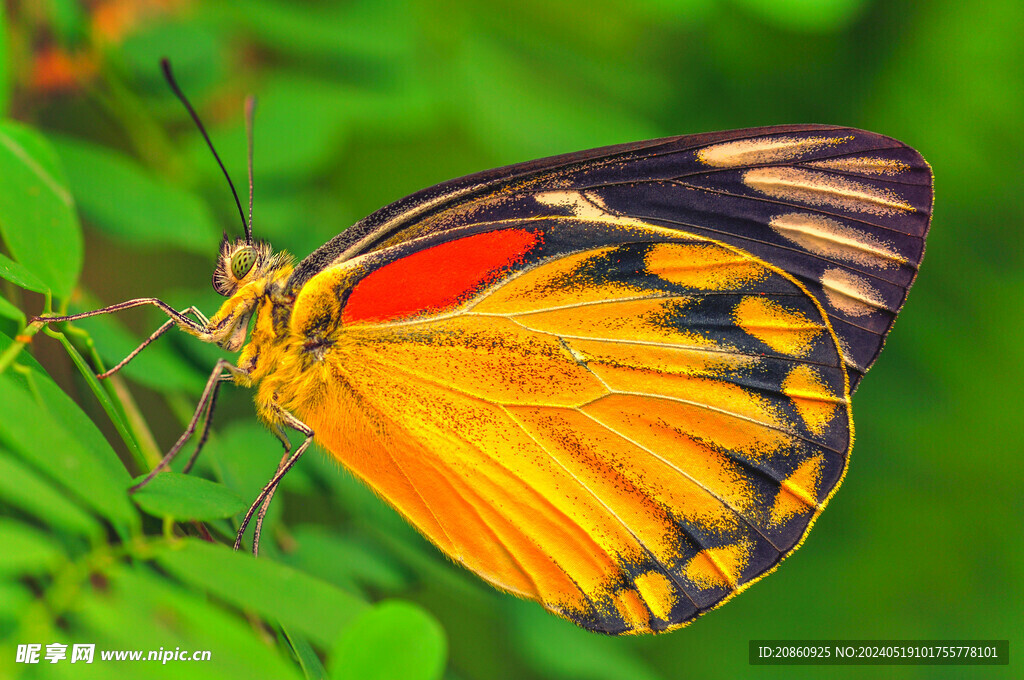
625,452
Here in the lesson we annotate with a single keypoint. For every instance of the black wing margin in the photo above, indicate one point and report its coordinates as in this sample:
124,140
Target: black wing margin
843,210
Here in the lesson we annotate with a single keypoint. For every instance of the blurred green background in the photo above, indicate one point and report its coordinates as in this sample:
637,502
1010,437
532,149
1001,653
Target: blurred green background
366,101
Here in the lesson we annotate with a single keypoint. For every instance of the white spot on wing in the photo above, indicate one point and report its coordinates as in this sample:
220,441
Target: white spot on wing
580,204
824,189
763,150
833,239
864,165
850,293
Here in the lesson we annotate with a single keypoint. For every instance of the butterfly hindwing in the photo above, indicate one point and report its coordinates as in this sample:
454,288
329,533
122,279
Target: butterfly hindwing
622,421
843,210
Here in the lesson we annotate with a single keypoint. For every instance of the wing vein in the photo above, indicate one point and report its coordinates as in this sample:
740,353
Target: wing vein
801,206
685,474
484,454
437,383
667,345
426,505
490,529
637,298
724,412
661,565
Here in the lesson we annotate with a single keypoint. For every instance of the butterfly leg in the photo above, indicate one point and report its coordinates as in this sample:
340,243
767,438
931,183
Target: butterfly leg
258,530
179,318
263,500
206,422
168,325
199,328
223,370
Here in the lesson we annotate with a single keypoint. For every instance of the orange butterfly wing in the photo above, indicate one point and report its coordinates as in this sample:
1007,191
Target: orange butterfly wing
625,423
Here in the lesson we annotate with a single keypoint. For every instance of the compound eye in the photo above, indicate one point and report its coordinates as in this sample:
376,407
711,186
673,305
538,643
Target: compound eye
242,262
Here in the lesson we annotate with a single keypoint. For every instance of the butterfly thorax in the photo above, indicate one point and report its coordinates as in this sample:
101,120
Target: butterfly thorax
272,310
255,289
278,357
293,340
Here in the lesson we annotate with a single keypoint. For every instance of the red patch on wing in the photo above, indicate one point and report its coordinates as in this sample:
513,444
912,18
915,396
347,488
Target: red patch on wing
438,277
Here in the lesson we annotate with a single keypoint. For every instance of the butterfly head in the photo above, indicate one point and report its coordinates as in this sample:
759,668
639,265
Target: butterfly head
240,261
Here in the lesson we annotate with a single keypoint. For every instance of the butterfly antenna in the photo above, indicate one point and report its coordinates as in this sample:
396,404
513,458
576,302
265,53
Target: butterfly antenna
165,64
250,115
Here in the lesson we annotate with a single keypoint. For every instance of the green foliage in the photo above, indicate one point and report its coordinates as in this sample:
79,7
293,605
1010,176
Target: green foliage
9,311
394,639
27,550
26,490
362,102
62,449
19,275
159,367
120,197
185,497
292,597
37,218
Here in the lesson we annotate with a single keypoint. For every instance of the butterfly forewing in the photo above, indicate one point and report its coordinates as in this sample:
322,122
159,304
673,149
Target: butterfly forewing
844,211
624,422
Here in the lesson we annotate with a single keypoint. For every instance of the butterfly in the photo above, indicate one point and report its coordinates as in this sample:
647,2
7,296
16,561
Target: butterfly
616,382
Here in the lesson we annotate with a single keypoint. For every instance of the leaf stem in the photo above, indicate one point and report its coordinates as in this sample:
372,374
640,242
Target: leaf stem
23,338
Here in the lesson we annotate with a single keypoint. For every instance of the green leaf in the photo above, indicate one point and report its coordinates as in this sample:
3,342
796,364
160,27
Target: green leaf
124,200
394,639
112,408
247,456
20,276
54,445
307,658
187,497
65,410
68,19
9,311
22,488
197,52
140,610
26,549
37,216
24,358
299,601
